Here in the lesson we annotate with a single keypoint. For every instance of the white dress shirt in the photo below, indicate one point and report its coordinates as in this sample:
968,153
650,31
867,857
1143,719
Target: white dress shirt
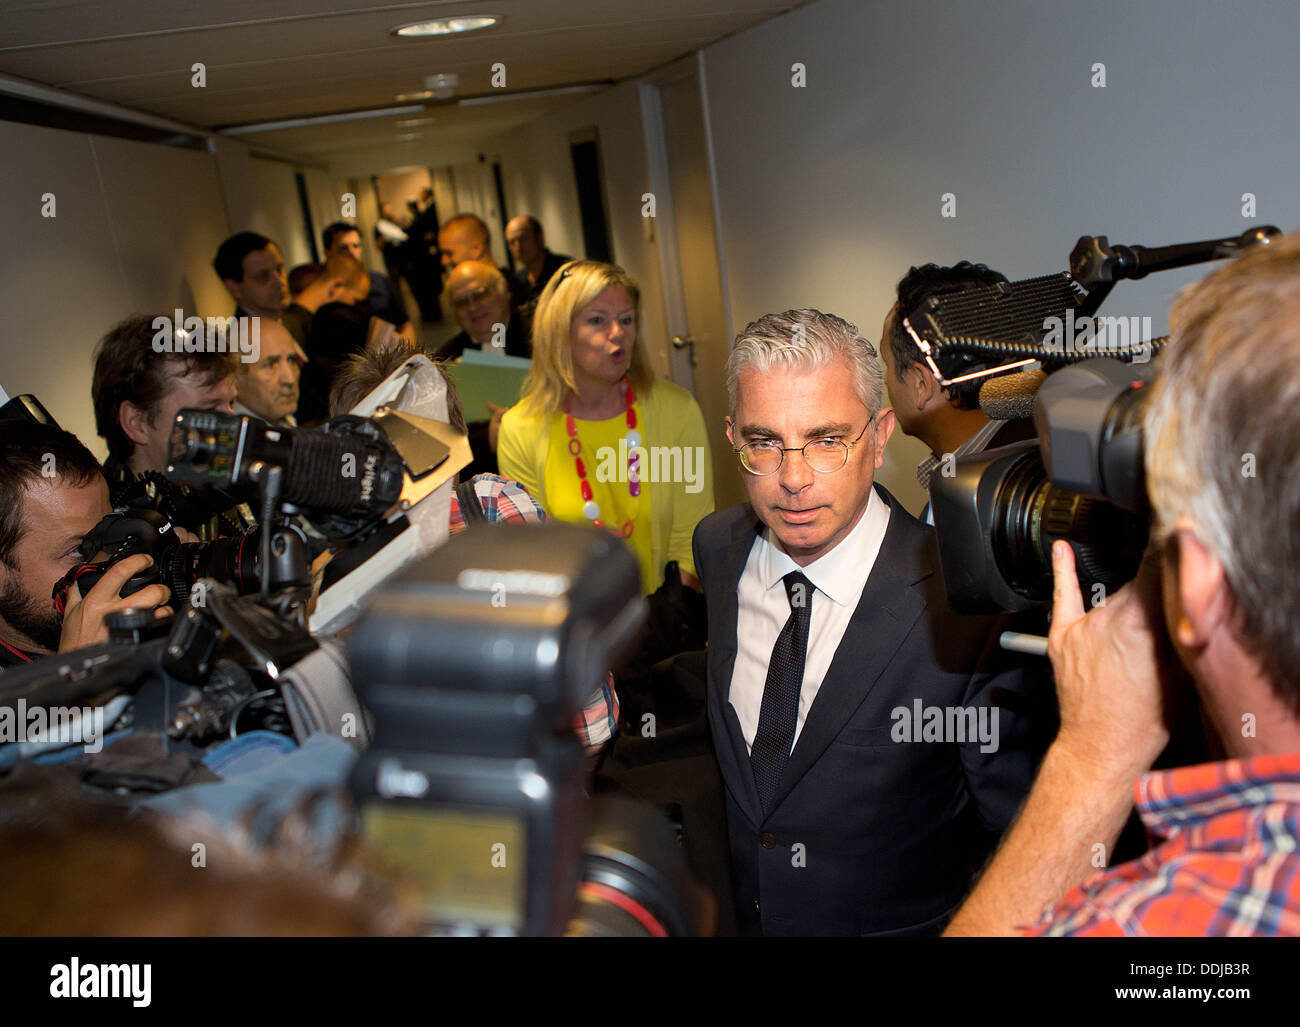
838,578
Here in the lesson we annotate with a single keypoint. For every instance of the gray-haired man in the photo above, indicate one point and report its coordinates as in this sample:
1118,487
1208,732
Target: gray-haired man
872,744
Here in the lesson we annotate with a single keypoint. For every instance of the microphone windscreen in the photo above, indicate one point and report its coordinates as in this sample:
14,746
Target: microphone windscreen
1011,396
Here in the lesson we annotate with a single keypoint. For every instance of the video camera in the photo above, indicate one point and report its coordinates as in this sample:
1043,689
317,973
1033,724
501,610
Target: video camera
1031,349
349,477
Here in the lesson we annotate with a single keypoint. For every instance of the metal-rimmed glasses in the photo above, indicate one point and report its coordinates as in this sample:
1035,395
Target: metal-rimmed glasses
822,455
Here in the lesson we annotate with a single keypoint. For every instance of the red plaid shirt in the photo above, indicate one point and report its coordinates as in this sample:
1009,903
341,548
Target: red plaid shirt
507,502
1229,863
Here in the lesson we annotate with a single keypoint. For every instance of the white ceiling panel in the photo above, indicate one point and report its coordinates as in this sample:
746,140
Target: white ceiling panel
325,56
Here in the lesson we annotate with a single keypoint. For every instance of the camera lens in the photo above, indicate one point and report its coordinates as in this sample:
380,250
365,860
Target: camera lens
232,561
1032,513
194,446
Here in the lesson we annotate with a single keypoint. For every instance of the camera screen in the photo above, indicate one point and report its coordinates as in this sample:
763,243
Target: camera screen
477,875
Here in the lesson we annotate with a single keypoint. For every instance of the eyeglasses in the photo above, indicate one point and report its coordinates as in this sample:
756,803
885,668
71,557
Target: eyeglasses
822,455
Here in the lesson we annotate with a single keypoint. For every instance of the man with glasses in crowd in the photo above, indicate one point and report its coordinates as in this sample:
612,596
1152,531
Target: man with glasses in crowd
872,744
480,298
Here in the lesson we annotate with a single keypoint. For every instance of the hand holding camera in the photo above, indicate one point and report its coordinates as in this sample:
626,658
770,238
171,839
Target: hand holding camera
1110,669
83,616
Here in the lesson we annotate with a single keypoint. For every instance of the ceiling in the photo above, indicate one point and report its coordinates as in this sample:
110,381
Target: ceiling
316,57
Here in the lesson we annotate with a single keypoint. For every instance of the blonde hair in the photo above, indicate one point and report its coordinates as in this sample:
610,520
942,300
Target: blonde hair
550,381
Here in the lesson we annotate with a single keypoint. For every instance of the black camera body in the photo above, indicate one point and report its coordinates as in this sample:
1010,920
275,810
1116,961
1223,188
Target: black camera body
1082,480
346,473
997,513
178,565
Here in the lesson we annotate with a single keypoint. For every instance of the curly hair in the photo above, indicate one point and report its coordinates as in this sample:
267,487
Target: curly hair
917,286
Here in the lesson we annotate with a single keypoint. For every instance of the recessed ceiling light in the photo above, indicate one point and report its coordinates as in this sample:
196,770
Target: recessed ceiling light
426,94
446,26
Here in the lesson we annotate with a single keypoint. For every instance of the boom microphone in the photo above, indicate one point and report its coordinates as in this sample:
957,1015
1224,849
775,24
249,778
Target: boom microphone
1010,397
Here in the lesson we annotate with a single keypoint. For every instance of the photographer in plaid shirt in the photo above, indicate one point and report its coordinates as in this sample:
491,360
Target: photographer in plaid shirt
502,501
1223,474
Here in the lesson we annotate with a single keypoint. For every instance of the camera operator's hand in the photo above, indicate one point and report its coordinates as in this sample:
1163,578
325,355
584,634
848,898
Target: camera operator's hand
184,536
1110,680
83,617
1110,666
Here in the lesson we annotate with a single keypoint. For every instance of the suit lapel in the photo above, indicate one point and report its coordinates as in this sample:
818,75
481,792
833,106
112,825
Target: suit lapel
733,759
884,616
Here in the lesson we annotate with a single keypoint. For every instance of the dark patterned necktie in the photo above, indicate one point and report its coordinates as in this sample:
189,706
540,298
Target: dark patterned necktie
780,708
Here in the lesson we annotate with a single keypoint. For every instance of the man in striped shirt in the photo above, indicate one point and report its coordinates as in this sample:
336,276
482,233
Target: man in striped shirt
1223,467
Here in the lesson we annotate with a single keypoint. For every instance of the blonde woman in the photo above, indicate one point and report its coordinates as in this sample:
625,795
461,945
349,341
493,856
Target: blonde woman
596,438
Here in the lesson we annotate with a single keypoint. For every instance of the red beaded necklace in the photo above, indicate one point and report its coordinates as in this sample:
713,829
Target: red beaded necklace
590,508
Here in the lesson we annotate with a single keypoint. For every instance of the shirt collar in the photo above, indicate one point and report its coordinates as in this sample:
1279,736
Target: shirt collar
288,421
1171,800
839,573
974,444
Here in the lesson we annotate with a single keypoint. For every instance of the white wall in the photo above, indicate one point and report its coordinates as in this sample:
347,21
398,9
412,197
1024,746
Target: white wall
537,172
135,230
277,212
828,193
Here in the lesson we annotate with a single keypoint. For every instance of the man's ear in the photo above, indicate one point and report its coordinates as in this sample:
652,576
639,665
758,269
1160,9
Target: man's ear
883,428
135,422
925,387
731,433
236,289
1203,600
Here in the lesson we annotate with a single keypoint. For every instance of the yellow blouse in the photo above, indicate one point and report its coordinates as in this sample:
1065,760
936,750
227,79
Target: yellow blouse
676,478
605,457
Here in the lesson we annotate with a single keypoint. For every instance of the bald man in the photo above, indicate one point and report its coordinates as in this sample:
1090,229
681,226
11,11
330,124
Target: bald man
480,299
481,302
269,388
338,329
466,237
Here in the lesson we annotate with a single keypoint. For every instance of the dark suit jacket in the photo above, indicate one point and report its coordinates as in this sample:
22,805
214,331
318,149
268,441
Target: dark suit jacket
517,344
867,835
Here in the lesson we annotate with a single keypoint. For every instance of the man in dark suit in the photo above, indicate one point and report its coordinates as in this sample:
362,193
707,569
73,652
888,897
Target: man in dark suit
873,745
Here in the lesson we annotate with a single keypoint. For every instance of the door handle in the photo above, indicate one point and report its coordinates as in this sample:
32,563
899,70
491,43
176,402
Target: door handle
685,342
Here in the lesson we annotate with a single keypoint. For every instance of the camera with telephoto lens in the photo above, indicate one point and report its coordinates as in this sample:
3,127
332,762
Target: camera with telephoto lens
1083,479
178,565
